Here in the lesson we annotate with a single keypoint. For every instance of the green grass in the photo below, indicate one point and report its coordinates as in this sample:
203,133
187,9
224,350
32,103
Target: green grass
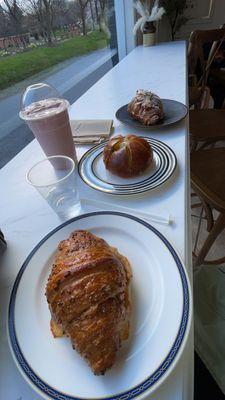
15,68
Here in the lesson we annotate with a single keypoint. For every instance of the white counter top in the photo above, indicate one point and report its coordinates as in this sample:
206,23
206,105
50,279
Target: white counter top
25,217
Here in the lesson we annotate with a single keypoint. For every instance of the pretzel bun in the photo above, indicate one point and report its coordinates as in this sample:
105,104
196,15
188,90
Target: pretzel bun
127,156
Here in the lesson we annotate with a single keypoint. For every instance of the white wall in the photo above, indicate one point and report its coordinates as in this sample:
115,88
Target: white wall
205,14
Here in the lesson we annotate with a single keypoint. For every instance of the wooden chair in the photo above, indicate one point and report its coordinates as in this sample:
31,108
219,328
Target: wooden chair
208,182
199,97
196,52
218,74
206,126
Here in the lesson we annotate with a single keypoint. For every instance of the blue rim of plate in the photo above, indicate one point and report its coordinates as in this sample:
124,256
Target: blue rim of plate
148,383
147,184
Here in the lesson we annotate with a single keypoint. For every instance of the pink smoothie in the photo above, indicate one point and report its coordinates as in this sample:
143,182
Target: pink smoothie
49,121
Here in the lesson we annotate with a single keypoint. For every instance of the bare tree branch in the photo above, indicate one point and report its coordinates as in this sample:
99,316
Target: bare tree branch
13,9
83,4
43,12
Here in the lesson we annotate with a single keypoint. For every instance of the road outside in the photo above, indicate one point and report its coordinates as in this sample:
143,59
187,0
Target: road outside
71,78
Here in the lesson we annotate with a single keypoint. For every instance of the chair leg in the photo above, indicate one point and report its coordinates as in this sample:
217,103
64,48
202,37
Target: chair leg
208,214
215,231
193,145
198,231
207,209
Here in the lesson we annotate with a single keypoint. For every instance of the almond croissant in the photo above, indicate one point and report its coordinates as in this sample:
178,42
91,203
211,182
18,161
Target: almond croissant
146,107
88,296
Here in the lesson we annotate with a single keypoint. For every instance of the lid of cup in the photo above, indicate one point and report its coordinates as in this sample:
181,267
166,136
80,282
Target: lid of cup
36,94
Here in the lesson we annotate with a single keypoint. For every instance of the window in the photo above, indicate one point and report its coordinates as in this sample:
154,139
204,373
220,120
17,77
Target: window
67,43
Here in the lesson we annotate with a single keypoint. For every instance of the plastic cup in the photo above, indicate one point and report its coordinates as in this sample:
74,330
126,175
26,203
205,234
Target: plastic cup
57,186
46,114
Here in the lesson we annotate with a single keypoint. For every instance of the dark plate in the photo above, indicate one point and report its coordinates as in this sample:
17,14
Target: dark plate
174,111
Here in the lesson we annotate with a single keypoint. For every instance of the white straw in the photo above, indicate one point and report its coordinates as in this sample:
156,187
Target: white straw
148,217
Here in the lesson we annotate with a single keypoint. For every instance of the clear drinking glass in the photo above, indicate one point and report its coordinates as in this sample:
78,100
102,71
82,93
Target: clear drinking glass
58,185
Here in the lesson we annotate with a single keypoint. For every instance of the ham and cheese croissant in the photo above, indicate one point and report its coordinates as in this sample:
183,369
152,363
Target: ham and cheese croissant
88,296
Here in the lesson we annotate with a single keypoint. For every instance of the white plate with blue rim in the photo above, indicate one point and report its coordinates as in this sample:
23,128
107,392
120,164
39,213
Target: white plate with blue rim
160,322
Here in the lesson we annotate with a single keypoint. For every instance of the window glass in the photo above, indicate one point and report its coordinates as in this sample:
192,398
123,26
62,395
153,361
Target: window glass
67,43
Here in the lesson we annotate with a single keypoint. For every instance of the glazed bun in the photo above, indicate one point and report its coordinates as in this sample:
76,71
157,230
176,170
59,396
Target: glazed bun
146,107
127,156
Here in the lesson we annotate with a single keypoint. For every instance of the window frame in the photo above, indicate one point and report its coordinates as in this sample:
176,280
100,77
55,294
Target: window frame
124,12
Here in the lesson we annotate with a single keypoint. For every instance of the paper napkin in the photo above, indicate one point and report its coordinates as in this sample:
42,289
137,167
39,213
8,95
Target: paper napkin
91,131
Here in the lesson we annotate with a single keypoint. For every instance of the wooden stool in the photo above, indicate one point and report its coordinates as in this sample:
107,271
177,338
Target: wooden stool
208,182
